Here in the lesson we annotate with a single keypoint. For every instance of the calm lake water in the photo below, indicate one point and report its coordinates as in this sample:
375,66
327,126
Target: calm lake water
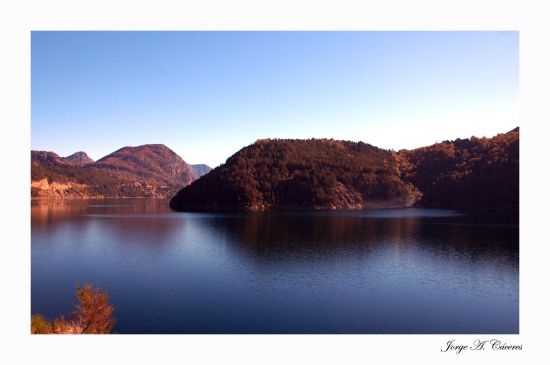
378,271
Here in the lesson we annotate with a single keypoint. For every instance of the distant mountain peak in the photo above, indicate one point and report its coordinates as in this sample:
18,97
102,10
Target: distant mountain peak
46,157
150,146
200,169
80,157
150,161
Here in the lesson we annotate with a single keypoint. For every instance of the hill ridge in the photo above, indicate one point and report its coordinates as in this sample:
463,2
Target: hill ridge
474,173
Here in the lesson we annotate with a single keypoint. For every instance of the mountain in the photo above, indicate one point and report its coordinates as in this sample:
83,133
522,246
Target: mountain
80,158
57,177
475,173
149,163
77,158
301,174
200,169
143,171
47,157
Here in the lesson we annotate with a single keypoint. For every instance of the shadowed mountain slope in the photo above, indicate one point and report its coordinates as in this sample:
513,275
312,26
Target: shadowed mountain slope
474,173
301,174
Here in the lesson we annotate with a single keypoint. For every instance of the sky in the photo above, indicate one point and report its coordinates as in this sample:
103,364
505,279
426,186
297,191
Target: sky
206,95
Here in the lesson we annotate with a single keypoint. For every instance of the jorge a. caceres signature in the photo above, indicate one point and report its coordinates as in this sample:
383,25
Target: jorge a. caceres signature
480,345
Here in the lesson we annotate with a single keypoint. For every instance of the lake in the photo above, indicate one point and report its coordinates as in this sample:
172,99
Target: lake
378,271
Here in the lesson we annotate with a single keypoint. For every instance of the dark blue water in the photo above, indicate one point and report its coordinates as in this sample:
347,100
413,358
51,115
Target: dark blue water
378,271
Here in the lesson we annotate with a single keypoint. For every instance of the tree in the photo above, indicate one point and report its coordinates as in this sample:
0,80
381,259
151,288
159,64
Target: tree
40,325
93,315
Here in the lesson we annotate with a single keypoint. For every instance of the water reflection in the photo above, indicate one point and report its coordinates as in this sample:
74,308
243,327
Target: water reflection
52,212
306,234
277,233
128,222
280,272
48,213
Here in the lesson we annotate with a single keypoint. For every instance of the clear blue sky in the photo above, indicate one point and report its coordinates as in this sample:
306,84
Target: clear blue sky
208,94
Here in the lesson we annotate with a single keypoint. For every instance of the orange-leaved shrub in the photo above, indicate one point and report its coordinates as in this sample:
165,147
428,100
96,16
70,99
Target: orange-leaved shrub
93,315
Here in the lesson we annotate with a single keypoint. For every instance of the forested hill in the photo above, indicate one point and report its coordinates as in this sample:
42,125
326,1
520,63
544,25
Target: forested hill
143,171
297,174
475,173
